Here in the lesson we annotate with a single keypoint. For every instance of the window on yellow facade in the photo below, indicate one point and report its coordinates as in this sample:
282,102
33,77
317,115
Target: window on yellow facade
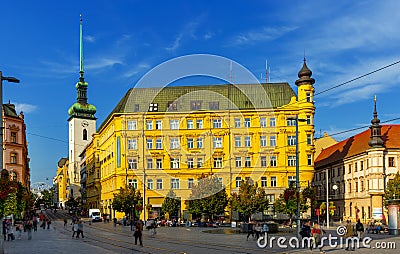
153,107
361,165
13,158
291,181
263,141
355,167
200,162
199,142
150,184
238,181
190,183
247,123
356,189
273,181
159,184
309,139
149,144
218,162
362,185
217,142
132,125
175,163
308,97
263,160
291,122
199,124
309,160
247,161
272,160
247,141
190,162
133,183
174,124
132,163
263,122
149,124
263,181
190,143
237,122
272,122
84,134
272,141
217,123
349,168
175,183
189,124
159,163
291,161
238,162
159,143
158,125
149,163
291,140
238,141
349,187
174,143
132,144
308,120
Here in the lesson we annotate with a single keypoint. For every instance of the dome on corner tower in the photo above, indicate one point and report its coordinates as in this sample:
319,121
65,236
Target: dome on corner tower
305,75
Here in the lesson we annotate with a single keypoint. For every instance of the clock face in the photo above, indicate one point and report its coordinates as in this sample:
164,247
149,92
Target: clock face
85,124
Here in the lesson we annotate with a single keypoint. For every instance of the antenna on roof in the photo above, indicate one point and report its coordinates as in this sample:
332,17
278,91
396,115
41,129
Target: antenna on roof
266,72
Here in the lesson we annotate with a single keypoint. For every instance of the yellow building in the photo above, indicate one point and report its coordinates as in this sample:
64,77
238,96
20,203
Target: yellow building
158,139
61,181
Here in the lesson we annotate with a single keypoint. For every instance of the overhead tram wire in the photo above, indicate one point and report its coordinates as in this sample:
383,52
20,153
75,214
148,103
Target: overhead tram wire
323,91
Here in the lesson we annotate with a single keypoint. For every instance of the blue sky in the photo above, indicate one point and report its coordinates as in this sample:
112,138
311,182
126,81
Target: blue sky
125,39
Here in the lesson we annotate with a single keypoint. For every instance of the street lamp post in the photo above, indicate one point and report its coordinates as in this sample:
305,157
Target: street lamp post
13,80
334,187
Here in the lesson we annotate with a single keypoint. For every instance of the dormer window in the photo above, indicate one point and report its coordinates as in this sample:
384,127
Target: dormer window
153,107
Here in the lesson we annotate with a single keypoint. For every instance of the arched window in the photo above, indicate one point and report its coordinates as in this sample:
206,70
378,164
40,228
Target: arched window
84,134
13,158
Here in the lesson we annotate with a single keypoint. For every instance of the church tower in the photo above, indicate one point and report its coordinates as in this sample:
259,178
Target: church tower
81,125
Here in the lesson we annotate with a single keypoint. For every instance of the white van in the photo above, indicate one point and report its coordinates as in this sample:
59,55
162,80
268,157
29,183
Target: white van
94,215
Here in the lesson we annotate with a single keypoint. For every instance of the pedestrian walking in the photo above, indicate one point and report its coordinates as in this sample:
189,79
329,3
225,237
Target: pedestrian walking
115,223
250,230
75,229
349,236
5,229
65,223
34,224
10,232
359,229
138,232
80,229
317,233
48,223
19,232
29,229
257,230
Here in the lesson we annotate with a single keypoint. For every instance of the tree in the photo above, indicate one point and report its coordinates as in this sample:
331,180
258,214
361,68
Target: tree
171,204
72,203
208,197
13,196
287,202
127,201
393,188
250,199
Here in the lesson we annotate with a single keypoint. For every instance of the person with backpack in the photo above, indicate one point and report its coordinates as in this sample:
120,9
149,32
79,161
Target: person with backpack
359,228
138,232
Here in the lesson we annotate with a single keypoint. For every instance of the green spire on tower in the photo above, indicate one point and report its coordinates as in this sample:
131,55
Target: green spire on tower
81,71
81,108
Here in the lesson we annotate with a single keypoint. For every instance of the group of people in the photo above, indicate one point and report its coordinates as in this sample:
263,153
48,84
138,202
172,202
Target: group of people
77,228
316,233
256,230
29,224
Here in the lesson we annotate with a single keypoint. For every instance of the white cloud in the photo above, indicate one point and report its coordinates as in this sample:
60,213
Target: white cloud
175,44
136,69
24,107
89,38
265,34
103,63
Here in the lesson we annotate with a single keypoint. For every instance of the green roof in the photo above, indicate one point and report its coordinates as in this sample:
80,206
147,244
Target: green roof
226,96
9,110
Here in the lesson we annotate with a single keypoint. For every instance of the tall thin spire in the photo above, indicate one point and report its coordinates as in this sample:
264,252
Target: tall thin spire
376,136
81,70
